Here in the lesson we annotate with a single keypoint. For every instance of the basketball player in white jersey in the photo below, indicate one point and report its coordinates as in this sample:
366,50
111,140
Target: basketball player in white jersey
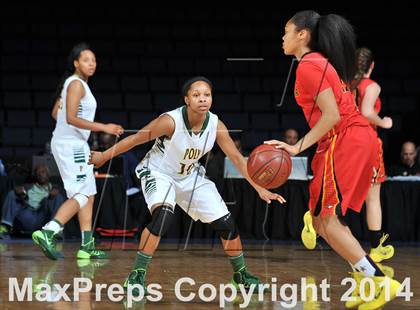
170,174
75,112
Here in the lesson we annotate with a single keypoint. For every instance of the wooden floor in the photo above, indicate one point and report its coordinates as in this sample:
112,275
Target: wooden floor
288,263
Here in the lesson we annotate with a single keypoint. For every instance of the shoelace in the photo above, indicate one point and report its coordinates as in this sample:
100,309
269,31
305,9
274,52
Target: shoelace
90,245
383,239
51,239
137,277
96,252
246,277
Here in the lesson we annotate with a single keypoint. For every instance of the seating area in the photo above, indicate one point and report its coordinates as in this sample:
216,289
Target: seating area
144,59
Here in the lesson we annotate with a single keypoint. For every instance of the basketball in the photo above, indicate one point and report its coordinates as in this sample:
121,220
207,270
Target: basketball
269,167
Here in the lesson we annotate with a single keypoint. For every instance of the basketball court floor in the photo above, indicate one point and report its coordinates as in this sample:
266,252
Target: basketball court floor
197,272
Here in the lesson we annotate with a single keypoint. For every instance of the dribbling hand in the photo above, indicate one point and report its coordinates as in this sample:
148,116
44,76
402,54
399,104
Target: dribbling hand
268,196
291,149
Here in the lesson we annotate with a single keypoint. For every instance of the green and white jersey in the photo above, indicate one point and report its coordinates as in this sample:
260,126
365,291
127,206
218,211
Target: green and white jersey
177,157
87,109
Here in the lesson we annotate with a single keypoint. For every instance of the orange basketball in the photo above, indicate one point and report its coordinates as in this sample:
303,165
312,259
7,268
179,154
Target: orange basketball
269,167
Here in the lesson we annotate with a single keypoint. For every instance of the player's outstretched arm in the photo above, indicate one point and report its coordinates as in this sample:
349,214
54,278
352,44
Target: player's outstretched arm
161,126
228,147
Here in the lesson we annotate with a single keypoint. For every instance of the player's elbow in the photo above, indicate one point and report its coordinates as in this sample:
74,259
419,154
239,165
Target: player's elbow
334,117
139,138
366,113
71,120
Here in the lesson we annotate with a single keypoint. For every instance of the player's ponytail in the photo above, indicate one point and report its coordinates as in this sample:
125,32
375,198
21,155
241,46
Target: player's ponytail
336,41
70,69
364,59
333,36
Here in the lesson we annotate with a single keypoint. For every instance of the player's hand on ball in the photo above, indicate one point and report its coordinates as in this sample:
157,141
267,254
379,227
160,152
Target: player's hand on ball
114,129
268,196
291,149
97,159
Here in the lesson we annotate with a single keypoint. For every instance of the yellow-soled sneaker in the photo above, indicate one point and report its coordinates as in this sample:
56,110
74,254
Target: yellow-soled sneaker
311,302
308,234
387,270
355,295
381,298
381,252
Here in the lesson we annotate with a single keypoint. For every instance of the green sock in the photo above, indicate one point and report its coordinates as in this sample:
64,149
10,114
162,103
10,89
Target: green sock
58,222
54,225
142,261
87,236
238,262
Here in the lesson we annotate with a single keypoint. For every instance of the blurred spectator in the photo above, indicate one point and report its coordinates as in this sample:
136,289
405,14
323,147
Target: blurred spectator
130,160
291,136
408,164
29,207
93,141
106,141
215,163
418,157
238,144
2,169
46,150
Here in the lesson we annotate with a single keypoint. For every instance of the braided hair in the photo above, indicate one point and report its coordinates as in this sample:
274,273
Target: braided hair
364,59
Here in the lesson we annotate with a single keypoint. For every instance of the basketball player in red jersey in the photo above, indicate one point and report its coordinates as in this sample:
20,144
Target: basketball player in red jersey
347,148
367,97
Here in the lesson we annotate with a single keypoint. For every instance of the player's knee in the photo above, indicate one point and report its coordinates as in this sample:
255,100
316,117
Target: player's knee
162,217
225,227
81,199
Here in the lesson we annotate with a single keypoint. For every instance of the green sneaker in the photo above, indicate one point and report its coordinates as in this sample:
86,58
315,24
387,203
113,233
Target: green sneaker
246,279
47,278
136,276
46,240
88,251
4,232
88,268
3,229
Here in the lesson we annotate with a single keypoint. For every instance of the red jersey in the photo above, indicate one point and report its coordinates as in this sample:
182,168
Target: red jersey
343,162
361,90
313,75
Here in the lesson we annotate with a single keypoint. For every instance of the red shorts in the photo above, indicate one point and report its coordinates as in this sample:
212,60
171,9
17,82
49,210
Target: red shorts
343,171
379,176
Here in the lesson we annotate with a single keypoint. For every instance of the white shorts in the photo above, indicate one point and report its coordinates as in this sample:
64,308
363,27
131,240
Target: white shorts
72,157
201,201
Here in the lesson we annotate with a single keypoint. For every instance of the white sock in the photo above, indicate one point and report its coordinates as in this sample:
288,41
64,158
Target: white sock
54,226
353,268
365,267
